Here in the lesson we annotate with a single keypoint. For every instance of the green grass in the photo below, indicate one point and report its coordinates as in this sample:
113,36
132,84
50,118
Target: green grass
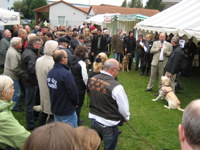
155,123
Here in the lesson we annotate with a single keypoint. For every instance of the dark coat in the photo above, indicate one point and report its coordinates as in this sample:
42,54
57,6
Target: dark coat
28,61
175,60
192,48
117,44
103,45
74,43
77,73
130,44
139,49
63,91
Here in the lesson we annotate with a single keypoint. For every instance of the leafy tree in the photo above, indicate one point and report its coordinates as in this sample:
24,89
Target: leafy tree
26,7
35,4
20,6
132,3
139,4
124,4
155,4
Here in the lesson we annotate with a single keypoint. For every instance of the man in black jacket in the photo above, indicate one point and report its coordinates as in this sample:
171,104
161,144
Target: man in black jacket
99,43
29,79
130,45
174,63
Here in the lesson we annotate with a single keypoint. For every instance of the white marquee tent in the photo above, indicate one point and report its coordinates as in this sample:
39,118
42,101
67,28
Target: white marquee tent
9,17
114,21
180,19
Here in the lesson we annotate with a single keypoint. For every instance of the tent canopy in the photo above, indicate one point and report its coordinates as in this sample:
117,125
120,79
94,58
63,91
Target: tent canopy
9,17
99,19
108,18
180,19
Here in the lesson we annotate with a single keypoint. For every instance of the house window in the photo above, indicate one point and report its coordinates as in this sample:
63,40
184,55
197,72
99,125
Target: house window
61,20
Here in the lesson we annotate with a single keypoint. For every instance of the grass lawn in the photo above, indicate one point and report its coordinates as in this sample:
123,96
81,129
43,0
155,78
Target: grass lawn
155,123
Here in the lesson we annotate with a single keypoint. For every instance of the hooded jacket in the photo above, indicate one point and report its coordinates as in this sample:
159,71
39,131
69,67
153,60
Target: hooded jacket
11,132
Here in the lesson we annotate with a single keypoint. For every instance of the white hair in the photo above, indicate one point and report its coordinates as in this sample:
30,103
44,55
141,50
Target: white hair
30,36
5,32
5,84
50,46
15,41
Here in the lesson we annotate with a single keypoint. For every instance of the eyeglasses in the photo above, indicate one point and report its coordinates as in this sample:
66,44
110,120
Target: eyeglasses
117,69
65,57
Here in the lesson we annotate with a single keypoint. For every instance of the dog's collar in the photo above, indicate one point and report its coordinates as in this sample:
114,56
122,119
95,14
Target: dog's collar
166,92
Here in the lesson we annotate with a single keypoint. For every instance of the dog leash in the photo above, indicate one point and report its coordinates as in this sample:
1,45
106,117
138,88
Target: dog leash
140,136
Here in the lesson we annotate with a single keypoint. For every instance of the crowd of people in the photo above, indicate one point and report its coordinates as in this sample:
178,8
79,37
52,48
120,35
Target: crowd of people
55,68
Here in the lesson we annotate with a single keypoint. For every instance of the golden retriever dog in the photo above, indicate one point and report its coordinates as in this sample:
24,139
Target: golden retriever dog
125,62
167,93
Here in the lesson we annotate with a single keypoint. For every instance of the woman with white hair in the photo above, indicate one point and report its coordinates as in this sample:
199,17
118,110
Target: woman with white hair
12,134
12,68
43,65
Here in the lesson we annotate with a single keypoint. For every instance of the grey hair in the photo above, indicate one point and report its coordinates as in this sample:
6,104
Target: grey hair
21,31
15,41
39,33
175,40
30,36
108,65
5,32
50,46
191,123
34,40
5,84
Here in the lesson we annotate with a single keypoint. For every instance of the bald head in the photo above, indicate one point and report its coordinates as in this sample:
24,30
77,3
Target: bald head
162,36
7,33
191,123
59,55
112,66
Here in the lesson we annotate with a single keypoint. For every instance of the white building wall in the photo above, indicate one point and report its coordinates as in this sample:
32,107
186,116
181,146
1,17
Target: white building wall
73,17
6,4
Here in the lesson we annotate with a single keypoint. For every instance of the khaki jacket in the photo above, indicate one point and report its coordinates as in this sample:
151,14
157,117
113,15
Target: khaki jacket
156,51
13,63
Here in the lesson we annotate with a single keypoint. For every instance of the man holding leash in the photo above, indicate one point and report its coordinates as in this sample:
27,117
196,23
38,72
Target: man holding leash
108,104
174,64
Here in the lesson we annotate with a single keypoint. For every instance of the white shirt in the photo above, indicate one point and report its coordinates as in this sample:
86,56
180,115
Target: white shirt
84,71
162,51
120,96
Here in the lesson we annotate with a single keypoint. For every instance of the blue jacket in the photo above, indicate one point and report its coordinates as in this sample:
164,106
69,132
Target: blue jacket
63,91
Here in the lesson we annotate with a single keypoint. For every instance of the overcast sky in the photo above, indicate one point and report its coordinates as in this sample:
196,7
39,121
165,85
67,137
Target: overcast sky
98,2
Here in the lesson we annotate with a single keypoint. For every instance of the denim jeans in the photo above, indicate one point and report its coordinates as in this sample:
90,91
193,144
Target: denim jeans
109,135
17,93
29,103
117,56
69,119
81,94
